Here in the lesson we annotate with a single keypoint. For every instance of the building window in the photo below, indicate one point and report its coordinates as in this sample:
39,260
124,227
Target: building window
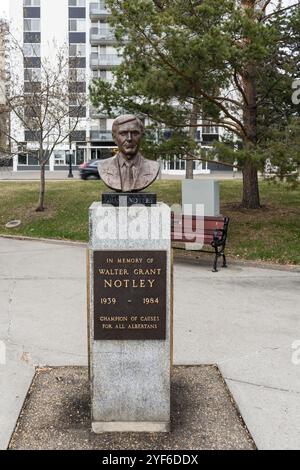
80,155
99,50
77,100
76,50
31,3
77,62
77,75
22,159
32,111
32,87
77,25
32,25
209,129
77,112
100,74
77,87
97,74
32,75
103,123
32,50
59,158
76,3
33,158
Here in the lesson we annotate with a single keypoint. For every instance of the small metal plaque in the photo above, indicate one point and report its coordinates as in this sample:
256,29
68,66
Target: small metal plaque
129,199
130,295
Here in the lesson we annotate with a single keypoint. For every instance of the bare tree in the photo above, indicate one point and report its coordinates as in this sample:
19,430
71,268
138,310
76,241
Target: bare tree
4,114
48,104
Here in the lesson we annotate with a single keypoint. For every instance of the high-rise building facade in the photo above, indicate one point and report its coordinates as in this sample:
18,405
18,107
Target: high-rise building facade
41,27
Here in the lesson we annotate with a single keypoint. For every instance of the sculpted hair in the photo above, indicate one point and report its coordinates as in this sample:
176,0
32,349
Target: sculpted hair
123,120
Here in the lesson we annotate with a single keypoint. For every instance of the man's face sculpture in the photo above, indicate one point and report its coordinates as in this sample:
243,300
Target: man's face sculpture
128,131
128,138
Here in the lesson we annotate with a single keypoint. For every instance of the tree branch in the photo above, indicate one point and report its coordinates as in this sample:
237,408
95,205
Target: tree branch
210,98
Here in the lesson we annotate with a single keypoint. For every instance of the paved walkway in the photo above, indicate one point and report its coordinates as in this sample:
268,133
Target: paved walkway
244,319
7,174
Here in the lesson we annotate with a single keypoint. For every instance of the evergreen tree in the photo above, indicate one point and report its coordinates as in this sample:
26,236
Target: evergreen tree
232,61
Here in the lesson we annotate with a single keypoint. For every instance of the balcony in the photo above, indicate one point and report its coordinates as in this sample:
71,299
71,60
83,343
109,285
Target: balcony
167,134
105,37
104,61
96,113
103,136
98,11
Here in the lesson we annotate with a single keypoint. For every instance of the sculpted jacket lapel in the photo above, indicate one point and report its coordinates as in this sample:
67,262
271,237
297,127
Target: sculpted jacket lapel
145,171
113,174
110,173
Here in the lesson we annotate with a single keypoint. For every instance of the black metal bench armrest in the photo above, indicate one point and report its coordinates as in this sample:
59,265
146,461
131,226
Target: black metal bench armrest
217,240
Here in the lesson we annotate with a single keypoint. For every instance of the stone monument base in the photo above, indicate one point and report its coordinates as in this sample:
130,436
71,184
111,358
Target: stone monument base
122,426
129,317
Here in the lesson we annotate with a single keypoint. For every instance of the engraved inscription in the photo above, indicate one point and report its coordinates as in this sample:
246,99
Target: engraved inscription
130,295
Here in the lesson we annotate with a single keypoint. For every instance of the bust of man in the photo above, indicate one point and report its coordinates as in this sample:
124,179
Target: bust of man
128,171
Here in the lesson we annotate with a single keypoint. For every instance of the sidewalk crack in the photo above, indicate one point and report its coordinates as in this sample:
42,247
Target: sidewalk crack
9,309
268,387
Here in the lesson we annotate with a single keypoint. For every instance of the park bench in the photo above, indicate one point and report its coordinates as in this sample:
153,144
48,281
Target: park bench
211,231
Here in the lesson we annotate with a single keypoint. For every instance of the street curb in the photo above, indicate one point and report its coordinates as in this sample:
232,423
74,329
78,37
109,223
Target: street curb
51,241
179,255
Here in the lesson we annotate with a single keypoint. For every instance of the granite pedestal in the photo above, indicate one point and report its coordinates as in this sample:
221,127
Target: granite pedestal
130,373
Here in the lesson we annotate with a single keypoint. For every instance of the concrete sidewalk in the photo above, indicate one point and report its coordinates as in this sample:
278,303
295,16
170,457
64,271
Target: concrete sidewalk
244,319
7,174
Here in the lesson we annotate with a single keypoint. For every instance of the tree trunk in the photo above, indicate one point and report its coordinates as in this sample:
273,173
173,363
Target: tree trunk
250,178
41,207
189,169
250,186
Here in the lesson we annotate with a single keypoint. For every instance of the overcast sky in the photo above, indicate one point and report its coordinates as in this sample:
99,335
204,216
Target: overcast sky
4,6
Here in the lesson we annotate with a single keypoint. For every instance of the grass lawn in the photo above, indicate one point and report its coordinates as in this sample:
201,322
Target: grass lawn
271,233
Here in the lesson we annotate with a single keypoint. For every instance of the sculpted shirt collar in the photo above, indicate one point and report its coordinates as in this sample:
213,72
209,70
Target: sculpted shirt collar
135,161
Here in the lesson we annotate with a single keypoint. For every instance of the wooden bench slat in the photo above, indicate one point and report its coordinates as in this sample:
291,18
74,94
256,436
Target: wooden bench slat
190,238
195,226
192,222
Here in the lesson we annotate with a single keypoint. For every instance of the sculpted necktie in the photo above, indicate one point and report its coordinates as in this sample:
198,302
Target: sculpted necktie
129,175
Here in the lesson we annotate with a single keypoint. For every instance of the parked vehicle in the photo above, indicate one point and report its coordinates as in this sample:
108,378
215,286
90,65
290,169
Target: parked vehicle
89,170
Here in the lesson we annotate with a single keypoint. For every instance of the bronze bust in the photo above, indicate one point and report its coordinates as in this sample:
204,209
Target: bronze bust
128,171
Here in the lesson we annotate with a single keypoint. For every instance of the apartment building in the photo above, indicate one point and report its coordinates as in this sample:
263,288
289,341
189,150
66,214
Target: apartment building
82,25
41,27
